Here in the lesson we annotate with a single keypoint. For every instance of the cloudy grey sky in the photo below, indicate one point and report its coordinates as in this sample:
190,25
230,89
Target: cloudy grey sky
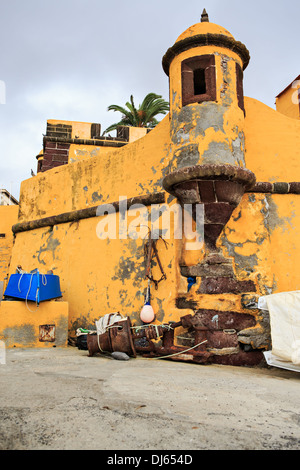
70,59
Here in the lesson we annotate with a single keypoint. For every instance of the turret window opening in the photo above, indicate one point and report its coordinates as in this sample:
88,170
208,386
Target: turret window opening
199,82
198,77
239,86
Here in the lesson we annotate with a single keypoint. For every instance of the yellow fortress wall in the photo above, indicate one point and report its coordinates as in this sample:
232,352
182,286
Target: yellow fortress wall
104,275
97,276
8,217
91,269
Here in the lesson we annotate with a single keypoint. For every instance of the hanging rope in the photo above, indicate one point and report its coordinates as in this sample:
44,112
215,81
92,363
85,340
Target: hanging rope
150,253
44,282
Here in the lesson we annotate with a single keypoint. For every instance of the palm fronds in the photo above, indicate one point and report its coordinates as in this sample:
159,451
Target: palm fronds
143,116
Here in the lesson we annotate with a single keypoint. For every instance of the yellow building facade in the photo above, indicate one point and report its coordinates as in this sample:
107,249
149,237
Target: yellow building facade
86,212
8,217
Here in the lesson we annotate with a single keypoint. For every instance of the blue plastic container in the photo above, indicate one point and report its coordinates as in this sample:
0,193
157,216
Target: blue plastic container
35,287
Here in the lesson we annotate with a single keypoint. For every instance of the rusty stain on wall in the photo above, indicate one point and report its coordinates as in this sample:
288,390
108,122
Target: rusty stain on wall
47,333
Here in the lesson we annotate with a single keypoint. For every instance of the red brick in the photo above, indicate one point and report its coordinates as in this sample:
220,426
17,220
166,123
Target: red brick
63,146
50,145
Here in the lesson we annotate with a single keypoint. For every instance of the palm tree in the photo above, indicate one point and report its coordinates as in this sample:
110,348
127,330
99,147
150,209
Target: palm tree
143,116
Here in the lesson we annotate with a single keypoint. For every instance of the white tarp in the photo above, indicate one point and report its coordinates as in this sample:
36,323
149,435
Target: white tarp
277,362
109,319
284,310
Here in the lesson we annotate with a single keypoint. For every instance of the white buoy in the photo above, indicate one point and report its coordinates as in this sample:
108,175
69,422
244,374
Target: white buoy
147,314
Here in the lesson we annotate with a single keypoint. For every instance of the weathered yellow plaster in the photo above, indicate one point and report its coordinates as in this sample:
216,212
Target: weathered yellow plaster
8,217
272,143
203,28
209,132
287,102
80,130
220,53
131,170
82,152
20,322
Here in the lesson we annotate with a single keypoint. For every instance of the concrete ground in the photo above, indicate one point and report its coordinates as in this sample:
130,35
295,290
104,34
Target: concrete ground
61,399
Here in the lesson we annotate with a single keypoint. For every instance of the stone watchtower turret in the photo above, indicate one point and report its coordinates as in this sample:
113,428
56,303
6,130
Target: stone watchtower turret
207,168
205,68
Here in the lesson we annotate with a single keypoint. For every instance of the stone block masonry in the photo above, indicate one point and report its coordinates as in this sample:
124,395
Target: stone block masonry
55,154
56,146
59,130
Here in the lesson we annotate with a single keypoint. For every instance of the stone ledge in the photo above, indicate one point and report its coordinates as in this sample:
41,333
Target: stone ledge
222,285
104,142
276,188
208,270
88,212
209,39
